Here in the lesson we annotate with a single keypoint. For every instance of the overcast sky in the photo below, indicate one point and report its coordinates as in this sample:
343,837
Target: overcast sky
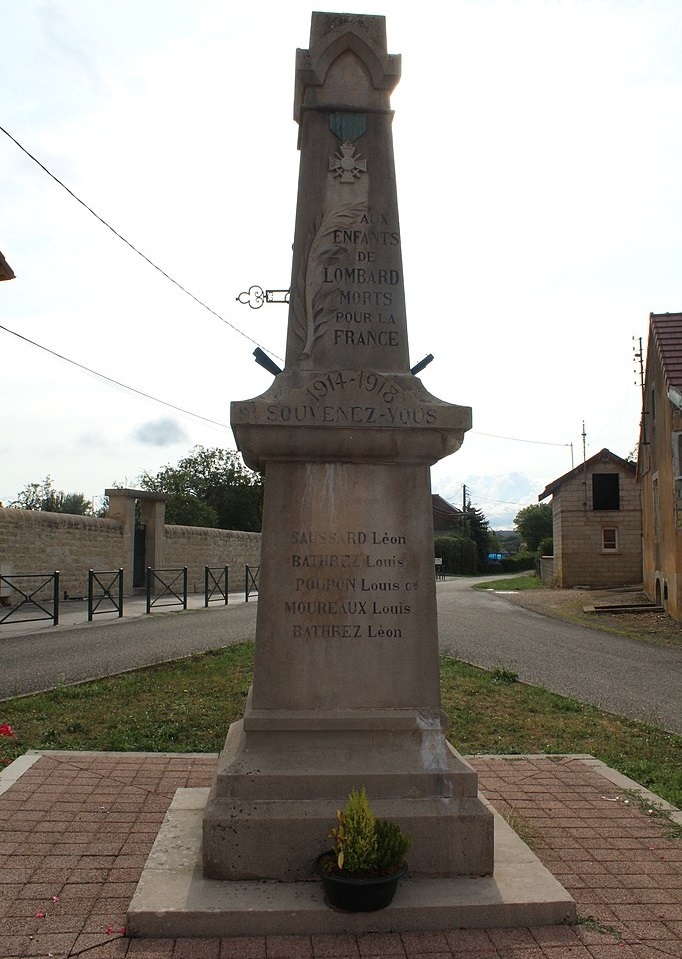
538,148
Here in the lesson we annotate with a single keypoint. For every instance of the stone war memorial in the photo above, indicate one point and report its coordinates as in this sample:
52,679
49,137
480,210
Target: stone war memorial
346,681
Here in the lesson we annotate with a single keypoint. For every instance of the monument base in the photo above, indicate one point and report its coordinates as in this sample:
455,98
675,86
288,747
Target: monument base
173,899
283,774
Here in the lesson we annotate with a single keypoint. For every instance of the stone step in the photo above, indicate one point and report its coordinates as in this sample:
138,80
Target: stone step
173,899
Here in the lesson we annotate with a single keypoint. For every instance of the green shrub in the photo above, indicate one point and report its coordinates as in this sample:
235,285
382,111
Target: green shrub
392,845
518,562
459,554
546,547
364,845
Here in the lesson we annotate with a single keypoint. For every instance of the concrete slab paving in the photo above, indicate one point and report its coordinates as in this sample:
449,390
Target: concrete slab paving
76,830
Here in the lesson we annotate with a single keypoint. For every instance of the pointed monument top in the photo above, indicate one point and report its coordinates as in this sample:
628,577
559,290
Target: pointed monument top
333,35
347,392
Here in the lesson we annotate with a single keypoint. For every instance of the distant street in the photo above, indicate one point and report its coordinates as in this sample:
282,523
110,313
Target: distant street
619,675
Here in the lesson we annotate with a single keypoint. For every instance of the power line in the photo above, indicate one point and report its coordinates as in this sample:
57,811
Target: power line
110,380
482,500
129,244
504,502
516,439
187,293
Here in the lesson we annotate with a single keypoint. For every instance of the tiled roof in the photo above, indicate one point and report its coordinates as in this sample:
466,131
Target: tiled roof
603,456
666,331
6,271
445,515
438,503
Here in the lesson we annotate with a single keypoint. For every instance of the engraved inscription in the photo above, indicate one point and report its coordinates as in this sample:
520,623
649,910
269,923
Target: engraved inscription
352,398
349,584
365,283
348,276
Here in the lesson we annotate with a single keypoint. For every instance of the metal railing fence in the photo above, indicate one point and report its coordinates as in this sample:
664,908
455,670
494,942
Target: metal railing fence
173,583
29,597
102,591
215,584
250,581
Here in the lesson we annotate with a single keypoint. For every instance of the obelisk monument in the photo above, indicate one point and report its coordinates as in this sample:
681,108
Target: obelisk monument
346,682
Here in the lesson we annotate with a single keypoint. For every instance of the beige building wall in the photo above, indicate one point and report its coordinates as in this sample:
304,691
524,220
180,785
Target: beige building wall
557,540
659,468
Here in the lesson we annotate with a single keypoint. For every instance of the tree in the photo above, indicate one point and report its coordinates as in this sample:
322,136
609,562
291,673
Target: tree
509,540
478,530
43,496
534,523
209,487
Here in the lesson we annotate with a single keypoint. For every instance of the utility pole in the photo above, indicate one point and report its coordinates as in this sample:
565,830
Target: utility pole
638,356
584,464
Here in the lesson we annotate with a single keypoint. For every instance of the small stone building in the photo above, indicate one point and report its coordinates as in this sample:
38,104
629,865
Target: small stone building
597,524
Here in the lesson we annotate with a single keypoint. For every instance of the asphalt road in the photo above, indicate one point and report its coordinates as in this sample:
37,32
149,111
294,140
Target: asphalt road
60,655
619,675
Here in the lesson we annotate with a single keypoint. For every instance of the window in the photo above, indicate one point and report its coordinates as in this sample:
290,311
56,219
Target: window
609,539
605,491
677,476
677,453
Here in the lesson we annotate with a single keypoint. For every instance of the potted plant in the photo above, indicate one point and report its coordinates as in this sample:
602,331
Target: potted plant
362,871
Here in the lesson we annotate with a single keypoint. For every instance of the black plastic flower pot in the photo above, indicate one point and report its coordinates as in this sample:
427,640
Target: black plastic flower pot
357,895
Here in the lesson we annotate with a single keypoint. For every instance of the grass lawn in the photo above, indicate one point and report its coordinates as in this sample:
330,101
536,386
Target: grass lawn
188,705
516,582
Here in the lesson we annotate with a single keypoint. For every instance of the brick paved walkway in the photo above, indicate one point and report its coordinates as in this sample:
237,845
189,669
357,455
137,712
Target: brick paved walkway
76,828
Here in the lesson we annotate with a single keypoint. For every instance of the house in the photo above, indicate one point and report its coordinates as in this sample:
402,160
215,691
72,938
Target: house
660,463
597,525
446,517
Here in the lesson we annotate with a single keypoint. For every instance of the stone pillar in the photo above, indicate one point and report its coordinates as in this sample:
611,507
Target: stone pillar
122,508
153,518
346,683
122,503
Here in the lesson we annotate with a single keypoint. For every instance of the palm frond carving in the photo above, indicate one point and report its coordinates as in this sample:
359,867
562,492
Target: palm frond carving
312,301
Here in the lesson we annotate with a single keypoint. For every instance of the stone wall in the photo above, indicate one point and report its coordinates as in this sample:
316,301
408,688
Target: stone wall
39,542
197,547
547,571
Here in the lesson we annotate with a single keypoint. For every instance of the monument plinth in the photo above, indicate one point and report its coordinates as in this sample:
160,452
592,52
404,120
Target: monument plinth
346,682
